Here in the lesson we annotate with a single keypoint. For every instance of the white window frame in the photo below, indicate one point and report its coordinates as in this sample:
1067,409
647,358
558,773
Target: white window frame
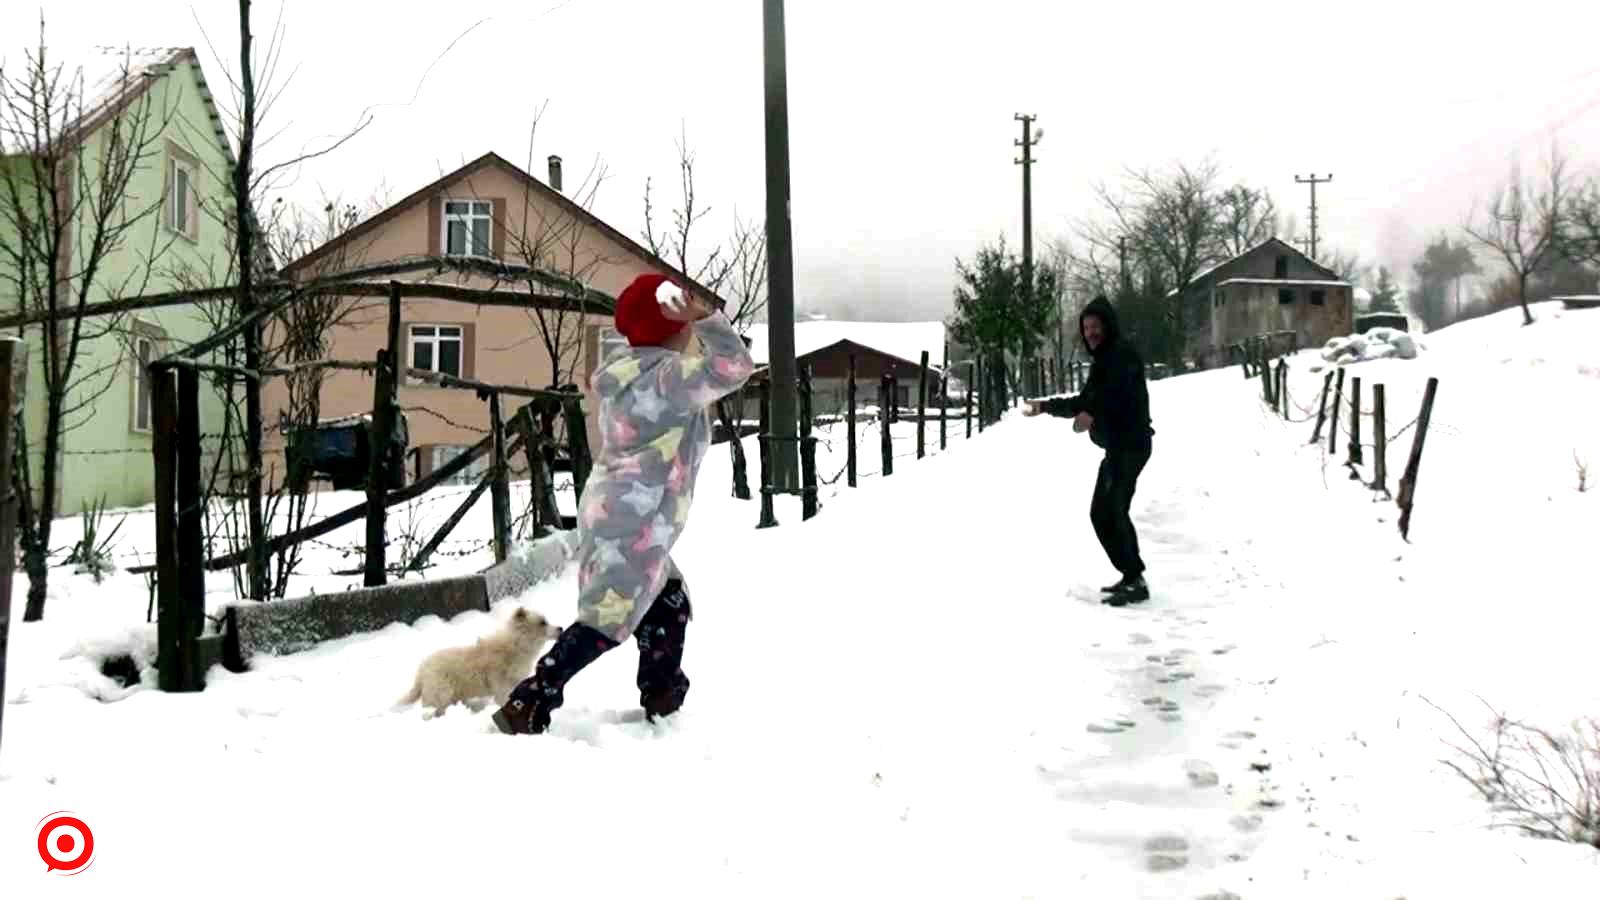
435,339
152,335
609,336
180,200
476,210
440,455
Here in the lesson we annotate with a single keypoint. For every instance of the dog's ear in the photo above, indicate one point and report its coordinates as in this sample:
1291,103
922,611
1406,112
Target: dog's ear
520,614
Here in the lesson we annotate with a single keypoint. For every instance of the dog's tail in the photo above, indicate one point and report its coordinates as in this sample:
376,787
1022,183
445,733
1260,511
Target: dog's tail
411,696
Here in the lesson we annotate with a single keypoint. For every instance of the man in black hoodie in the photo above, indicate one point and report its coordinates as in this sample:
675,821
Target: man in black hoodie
1114,406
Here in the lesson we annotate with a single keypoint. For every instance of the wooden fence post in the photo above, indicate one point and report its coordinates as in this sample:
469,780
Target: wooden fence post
966,406
191,548
169,594
922,405
1380,442
1322,408
377,442
499,486
983,395
850,426
421,558
1265,367
541,486
1333,418
1408,481
13,356
577,444
808,449
764,441
1282,390
1355,426
886,439
944,396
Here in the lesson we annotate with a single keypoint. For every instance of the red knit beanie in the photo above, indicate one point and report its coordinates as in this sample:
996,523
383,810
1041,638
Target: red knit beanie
639,316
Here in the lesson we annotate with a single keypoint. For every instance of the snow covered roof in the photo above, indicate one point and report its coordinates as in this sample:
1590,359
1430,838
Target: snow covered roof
902,340
1203,274
1295,282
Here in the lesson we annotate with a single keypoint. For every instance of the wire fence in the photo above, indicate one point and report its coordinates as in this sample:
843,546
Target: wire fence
1357,412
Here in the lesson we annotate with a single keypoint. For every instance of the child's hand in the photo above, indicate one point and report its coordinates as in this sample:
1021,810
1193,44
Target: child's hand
1082,422
680,306
1030,408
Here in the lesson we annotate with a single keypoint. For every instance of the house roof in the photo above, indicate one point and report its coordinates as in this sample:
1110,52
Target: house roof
486,160
119,80
1207,273
904,341
1296,282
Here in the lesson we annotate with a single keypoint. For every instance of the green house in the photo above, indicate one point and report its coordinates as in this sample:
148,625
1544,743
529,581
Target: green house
143,169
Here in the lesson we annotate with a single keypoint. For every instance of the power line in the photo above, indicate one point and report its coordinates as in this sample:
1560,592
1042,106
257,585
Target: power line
1313,181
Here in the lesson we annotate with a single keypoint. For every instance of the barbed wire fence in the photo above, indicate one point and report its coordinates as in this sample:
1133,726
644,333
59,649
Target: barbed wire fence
1366,459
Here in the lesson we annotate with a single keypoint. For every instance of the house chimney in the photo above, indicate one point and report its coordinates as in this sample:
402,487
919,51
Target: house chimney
555,172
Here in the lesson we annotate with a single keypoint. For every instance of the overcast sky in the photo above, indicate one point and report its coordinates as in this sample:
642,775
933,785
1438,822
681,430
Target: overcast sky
901,112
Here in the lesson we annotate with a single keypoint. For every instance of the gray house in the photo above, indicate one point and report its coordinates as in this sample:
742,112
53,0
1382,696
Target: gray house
1270,287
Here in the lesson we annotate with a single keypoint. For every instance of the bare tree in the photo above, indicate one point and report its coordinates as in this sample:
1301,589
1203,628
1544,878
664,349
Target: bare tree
553,239
740,267
1246,217
1165,227
65,211
1524,223
1347,265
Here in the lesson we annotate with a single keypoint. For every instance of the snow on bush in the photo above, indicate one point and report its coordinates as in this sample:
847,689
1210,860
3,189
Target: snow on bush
1379,343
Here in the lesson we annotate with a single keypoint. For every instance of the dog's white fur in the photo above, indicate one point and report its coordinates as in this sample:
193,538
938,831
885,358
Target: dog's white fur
489,668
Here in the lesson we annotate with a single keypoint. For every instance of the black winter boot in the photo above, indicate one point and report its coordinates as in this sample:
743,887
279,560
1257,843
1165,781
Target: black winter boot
662,684
1121,585
531,702
1134,591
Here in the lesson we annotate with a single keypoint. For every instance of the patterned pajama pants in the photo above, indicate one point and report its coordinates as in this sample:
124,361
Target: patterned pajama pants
660,635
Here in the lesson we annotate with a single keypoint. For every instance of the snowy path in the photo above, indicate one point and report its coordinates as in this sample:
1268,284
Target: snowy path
917,694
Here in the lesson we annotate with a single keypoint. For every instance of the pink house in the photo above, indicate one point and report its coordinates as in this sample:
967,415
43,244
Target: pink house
491,209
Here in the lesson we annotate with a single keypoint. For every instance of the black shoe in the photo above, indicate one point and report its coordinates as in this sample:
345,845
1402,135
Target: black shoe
521,717
1135,591
537,696
1121,585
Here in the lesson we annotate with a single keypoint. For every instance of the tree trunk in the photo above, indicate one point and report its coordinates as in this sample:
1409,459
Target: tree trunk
741,474
1522,297
36,550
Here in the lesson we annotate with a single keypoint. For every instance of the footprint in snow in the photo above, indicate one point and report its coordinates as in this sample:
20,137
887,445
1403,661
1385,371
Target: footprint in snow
1247,823
1167,853
1201,774
1140,639
1110,726
1208,690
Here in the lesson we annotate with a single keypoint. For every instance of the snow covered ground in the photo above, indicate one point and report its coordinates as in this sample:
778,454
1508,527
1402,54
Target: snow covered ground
918,694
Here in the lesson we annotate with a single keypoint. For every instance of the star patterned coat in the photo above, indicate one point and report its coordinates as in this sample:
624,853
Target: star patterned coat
655,428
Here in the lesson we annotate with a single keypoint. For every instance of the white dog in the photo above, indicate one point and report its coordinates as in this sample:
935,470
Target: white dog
489,668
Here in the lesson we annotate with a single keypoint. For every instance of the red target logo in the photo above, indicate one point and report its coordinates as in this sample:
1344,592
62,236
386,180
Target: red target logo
65,843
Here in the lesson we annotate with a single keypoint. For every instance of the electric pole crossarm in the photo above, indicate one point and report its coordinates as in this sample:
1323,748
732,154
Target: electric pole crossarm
1313,181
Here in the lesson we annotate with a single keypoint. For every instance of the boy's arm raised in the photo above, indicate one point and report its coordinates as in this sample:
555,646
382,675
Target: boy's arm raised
723,367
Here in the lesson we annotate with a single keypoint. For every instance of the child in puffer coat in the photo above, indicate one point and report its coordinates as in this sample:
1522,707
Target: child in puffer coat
655,428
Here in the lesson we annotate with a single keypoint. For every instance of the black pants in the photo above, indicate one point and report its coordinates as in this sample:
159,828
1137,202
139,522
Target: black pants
1109,511
660,635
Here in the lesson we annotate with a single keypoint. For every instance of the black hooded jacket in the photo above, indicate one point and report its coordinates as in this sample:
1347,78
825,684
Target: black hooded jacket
1115,394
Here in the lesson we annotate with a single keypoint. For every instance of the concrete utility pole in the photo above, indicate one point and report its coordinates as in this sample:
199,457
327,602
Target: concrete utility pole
1029,137
1313,181
780,255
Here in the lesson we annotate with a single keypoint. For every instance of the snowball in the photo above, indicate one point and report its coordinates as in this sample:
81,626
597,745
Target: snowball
670,296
